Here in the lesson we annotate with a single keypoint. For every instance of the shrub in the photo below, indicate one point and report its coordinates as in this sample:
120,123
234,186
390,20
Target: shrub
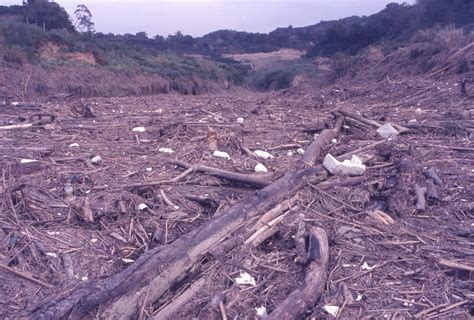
14,55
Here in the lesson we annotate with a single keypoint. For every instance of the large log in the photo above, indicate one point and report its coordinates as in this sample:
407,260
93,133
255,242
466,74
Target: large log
305,296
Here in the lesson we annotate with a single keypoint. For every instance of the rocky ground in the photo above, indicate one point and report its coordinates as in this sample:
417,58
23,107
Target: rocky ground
83,198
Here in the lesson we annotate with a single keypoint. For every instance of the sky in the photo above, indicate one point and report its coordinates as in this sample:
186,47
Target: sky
198,17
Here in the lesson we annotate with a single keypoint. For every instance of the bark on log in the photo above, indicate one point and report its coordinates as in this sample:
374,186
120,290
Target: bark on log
308,294
315,149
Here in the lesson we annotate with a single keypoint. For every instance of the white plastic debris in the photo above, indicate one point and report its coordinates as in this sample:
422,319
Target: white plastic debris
94,240
74,145
15,103
260,168
127,260
139,129
96,160
418,111
221,154
149,169
290,153
51,254
300,151
240,120
353,167
412,121
263,154
26,161
332,310
261,312
334,140
166,150
245,279
85,278
387,131
359,297
142,206
365,266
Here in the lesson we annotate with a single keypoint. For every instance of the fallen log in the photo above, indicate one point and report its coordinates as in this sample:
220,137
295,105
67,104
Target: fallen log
305,296
157,270
255,180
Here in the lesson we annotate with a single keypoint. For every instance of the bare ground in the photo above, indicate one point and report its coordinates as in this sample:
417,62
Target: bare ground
66,222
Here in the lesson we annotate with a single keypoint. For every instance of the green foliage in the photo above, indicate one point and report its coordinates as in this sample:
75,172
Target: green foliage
277,76
48,15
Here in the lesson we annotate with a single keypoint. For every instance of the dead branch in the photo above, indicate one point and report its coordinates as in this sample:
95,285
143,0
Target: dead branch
455,265
316,148
302,298
168,311
255,180
371,122
25,276
420,198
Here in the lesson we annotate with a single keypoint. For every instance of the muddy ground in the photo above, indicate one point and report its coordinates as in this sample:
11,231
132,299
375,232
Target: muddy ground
67,220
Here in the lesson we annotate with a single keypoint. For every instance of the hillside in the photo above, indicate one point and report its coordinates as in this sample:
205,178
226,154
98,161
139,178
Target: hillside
43,55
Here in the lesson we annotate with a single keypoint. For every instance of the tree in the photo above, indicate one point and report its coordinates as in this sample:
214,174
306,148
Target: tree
83,19
48,15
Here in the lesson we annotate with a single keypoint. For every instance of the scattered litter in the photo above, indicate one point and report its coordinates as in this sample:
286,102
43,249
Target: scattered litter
74,145
260,168
387,131
261,312
240,120
53,233
263,154
300,151
408,304
245,279
418,111
166,150
290,154
142,206
353,167
334,140
221,154
96,160
25,161
15,103
365,266
359,297
149,169
51,254
85,278
94,240
332,310
127,260
139,129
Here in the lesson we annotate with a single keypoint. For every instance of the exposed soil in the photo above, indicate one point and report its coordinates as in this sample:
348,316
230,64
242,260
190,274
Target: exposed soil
66,221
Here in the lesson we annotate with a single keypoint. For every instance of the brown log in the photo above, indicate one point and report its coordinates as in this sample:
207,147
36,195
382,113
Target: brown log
371,122
315,149
420,198
308,294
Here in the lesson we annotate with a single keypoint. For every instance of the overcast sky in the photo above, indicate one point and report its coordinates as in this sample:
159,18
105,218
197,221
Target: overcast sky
198,17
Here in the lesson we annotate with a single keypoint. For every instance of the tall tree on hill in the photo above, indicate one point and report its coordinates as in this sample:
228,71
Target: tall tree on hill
48,15
84,19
